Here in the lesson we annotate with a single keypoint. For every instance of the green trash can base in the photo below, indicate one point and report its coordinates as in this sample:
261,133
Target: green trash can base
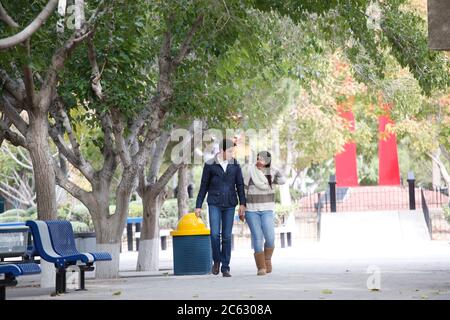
192,255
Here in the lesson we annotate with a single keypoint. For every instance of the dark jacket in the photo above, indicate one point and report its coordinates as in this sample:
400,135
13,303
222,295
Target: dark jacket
221,186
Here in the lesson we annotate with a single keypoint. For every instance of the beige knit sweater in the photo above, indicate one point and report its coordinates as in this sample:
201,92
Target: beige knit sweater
259,195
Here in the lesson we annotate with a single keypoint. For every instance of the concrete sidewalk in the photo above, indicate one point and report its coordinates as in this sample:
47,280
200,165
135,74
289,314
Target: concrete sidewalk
306,271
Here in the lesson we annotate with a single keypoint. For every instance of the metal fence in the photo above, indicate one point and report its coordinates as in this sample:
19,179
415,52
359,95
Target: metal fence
373,198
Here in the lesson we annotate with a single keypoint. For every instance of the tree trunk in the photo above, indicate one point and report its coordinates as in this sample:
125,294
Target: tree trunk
45,182
148,258
444,172
182,196
285,194
107,241
436,170
108,228
44,174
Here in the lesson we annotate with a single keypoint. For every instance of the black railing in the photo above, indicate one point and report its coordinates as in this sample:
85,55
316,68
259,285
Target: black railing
426,214
374,198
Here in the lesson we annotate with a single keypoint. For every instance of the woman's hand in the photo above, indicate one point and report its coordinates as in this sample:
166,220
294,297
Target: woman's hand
242,213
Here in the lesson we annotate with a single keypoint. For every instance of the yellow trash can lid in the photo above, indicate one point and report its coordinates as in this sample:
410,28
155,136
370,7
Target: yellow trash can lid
190,225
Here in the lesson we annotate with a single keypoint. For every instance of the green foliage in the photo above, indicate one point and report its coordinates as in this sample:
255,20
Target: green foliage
252,63
127,62
283,211
446,210
367,170
407,33
80,213
135,209
295,194
79,227
14,215
81,221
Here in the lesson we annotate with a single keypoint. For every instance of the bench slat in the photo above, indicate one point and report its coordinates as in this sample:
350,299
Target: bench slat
19,269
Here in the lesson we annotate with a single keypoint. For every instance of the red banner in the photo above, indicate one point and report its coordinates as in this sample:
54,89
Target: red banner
388,170
346,166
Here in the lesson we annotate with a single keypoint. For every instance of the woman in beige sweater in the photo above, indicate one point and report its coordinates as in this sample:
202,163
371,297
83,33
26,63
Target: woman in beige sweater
259,181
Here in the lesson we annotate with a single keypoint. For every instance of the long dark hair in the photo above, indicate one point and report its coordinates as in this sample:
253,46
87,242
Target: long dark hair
267,157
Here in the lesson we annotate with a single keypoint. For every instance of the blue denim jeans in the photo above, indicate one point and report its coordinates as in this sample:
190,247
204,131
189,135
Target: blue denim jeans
262,228
221,223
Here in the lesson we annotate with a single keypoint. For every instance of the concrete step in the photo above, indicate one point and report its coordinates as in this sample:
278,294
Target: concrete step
374,227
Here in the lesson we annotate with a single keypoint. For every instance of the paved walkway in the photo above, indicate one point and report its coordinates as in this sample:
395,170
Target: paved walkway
307,271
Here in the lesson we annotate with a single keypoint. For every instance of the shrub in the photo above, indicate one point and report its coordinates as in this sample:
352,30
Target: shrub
168,217
136,209
8,219
81,213
63,213
32,213
14,213
446,210
81,219
78,227
295,194
283,211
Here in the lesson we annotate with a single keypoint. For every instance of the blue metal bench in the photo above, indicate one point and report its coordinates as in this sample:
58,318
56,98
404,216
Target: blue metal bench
54,242
13,270
13,243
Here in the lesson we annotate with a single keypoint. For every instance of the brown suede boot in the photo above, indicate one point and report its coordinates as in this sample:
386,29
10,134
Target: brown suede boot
268,257
260,263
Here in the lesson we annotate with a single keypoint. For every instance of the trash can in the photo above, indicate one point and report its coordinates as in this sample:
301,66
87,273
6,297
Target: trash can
13,240
191,247
85,241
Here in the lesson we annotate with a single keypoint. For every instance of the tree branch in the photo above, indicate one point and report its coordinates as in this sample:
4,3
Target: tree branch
72,138
107,127
11,136
6,123
28,78
163,88
158,156
95,74
445,152
6,149
13,115
184,50
15,197
29,164
21,189
57,65
108,150
76,160
31,28
165,178
4,16
12,86
63,181
442,168
61,145
121,147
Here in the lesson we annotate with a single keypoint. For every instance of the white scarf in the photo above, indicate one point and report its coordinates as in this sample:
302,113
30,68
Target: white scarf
257,176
